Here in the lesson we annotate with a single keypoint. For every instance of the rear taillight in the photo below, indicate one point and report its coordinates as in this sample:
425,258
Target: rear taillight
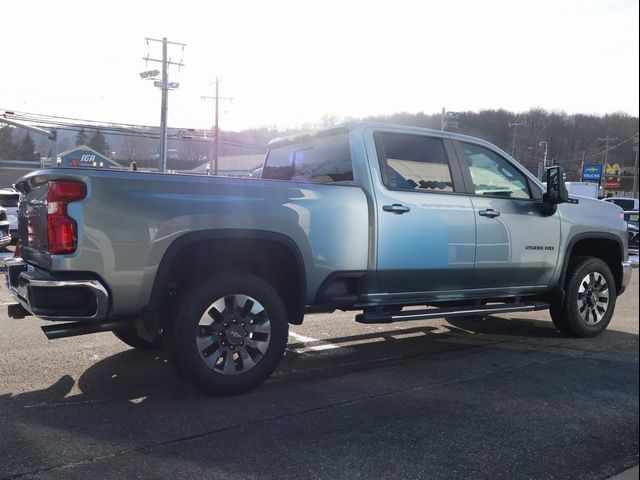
62,229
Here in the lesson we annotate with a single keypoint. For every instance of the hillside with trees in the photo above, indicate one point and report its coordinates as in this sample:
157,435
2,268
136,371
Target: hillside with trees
570,139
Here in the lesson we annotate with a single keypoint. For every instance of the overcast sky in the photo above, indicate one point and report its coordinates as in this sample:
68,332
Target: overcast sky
291,63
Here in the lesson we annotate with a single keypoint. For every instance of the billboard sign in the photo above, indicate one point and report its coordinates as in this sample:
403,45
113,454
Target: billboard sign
591,173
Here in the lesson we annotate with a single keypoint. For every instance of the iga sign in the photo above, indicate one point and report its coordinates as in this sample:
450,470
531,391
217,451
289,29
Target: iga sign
86,160
591,172
82,156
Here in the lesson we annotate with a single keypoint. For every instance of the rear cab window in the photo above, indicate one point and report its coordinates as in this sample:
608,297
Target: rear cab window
413,162
322,159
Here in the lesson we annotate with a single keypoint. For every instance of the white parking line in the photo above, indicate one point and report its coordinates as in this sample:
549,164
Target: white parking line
316,345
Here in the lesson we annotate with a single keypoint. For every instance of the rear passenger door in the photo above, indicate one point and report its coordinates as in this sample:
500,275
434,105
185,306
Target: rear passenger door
425,228
517,245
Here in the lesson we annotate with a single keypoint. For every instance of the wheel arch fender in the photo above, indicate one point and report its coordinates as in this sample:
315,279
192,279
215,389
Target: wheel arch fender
591,244
151,315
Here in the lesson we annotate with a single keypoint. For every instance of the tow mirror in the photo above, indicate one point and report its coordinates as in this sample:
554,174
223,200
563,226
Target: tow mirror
556,188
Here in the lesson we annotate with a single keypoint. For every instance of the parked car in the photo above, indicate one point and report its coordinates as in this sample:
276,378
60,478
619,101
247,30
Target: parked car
631,217
625,203
5,237
632,228
9,199
364,217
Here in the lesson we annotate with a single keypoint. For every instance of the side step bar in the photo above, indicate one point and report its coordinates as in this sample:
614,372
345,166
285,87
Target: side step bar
409,315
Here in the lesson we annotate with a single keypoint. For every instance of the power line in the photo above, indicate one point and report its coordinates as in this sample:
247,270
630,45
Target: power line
606,139
72,124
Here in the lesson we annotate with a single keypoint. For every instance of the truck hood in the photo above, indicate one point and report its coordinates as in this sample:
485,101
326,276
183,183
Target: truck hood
594,215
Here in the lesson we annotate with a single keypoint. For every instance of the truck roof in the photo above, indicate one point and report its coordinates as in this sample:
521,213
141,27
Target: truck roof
361,125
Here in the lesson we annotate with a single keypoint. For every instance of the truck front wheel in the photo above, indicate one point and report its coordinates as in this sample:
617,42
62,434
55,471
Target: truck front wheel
230,332
589,301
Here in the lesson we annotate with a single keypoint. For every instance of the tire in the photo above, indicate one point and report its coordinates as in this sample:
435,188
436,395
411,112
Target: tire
131,338
589,300
230,333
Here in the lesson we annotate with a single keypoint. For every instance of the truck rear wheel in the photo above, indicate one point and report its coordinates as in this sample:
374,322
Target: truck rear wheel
230,333
589,301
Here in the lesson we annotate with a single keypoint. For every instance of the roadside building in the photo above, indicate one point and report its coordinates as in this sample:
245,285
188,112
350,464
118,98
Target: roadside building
83,156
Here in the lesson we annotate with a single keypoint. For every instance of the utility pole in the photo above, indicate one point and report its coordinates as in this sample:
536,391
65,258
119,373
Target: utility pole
165,86
515,126
163,108
606,141
213,157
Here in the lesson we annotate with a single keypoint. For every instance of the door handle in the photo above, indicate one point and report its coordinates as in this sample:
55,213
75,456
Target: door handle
489,212
396,208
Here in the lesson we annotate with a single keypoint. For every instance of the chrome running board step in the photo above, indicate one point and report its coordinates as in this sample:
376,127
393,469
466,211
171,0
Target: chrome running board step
409,315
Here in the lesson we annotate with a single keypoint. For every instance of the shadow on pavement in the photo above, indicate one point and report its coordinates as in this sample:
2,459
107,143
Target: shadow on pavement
517,327
466,401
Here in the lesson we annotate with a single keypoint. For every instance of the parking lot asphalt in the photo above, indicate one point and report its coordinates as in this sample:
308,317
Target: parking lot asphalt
502,398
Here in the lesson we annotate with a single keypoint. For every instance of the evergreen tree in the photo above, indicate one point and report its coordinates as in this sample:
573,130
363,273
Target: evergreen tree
8,148
27,149
99,143
82,138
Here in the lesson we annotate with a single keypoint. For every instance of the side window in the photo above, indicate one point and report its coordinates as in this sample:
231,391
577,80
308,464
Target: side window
492,175
413,162
317,160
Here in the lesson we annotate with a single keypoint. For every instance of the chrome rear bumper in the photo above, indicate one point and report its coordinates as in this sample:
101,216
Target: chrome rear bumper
56,298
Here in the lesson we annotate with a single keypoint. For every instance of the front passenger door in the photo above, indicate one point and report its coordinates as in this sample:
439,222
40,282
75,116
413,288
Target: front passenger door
516,244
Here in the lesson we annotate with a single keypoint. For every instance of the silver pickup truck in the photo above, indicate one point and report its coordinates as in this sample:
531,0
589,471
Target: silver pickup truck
365,217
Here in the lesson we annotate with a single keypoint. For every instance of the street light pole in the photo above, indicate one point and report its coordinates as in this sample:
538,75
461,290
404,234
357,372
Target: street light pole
546,148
